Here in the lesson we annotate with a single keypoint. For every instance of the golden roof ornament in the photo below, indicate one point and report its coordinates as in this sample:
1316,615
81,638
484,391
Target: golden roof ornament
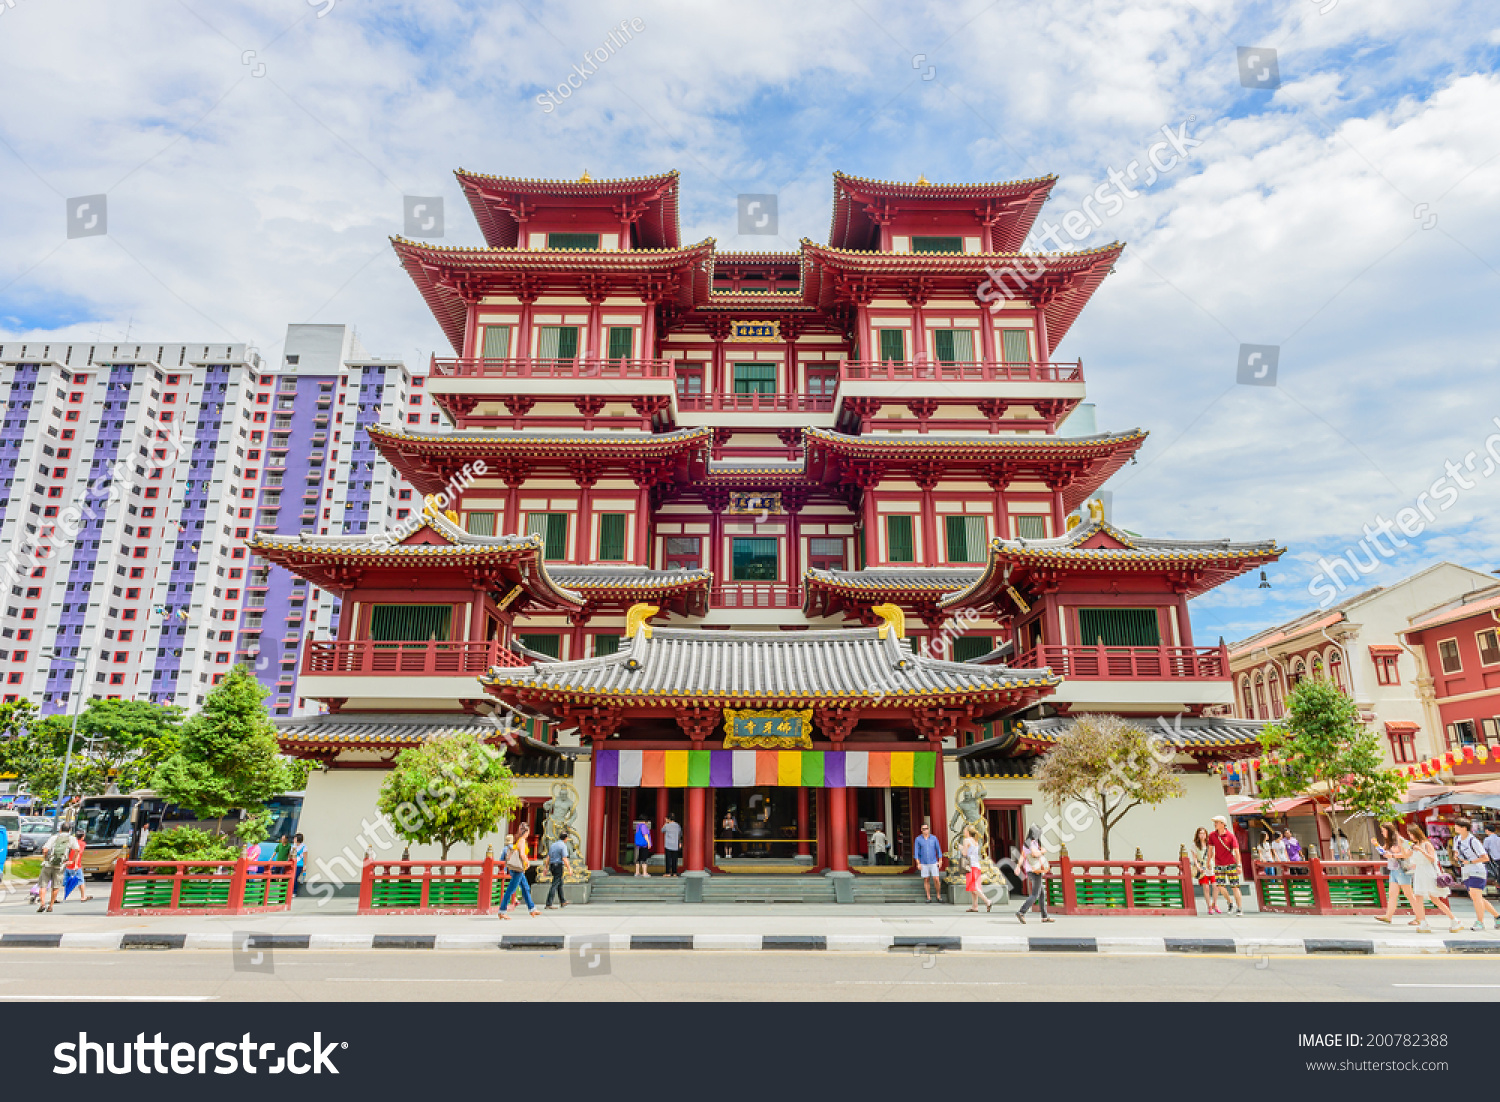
892,619
585,178
636,617
923,181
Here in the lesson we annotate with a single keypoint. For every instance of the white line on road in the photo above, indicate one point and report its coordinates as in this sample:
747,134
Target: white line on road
1484,985
928,983
108,998
399,979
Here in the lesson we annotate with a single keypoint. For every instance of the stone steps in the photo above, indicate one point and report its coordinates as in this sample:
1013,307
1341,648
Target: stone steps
811,888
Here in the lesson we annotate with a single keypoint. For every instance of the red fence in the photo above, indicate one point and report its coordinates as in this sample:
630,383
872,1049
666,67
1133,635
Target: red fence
365,656
1136,887
978,371
755,403
1129,663
575,368
239,887
1318,887
755,596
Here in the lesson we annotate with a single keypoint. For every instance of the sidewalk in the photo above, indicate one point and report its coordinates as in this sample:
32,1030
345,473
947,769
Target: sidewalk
769,927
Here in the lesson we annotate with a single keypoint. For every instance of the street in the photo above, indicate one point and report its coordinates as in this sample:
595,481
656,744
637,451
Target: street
389,975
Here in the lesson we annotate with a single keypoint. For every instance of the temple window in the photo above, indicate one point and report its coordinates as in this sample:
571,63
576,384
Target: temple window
621,342
825,553
892,345
1118,627
966,538
689,380
481,524
900,546
572,241
606,645
937,244
550,645
496,344
1031,528
953,345
557,342
966,647
822,380
1015,345
611,537
410,622
683,553
553,528
754,560
755,378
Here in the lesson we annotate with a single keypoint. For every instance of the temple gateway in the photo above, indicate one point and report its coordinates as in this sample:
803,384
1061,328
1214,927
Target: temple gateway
802,549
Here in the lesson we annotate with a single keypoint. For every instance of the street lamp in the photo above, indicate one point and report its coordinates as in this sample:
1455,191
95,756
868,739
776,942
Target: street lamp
56,655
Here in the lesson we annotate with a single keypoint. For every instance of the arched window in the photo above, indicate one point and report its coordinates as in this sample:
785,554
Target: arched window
1336,671
1260,697
1274,681
1299,671
1248,699
1317,667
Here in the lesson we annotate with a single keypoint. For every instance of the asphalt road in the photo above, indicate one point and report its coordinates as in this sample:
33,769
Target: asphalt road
451,976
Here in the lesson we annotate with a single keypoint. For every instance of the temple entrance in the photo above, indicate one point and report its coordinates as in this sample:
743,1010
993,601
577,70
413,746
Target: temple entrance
757,826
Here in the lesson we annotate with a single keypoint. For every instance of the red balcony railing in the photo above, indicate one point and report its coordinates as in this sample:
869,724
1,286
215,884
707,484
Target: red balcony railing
1129,663
751,595
477,367
437,659
755,403
971,371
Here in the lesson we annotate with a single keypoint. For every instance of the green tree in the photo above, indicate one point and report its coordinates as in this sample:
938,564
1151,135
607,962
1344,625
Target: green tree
227,758
447,790
1110,766
1320,747
123,740
182,843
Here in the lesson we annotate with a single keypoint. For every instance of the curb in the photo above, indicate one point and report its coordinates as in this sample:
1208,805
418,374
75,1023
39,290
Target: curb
918,944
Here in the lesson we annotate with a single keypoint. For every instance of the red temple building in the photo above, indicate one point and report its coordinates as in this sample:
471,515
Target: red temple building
787,546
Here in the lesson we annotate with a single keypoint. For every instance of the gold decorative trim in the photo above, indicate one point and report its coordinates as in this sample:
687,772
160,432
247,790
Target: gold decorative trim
782,740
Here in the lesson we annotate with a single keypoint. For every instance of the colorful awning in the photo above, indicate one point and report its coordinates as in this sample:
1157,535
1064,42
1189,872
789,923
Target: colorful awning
753,768
1254,805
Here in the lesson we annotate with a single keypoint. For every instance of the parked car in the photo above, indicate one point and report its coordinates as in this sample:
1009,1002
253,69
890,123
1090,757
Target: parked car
34,835
10,822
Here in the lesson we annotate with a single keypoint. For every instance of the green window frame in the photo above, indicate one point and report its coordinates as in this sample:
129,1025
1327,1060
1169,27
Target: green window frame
755,378
496,342
480,524
621,342
611,537
953,345
1118,627
1015,346
966,647
605,645
892,345
754,559
931,244
557,342
966,538
572,241
553,528
1031,527
410,623
548,644
900,538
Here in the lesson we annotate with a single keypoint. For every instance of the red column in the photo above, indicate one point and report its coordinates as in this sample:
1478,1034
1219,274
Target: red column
802,846
694,856
642,525
931,555
346,616
838,823
820,826
710,820
594,847
939,801
661,820
852,803
476,617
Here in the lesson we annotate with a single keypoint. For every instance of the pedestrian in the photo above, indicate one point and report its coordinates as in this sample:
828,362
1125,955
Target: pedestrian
729,828
642,846
1034,869
1293,847
1278,848
1492,851
559,867
1470,851
283,850
1340,846
1425,879
73,870
1203,867
1227,864
671,842
879,847
299,855
1398,866
929,855
55,853
517,861
973,869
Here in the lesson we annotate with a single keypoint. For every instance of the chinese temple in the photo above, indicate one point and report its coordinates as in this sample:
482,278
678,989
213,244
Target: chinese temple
792,547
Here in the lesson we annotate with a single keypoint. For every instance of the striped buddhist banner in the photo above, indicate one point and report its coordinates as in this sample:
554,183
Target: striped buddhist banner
755,768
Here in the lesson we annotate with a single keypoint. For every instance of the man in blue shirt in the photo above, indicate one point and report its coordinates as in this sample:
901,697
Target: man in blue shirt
559,866
929,853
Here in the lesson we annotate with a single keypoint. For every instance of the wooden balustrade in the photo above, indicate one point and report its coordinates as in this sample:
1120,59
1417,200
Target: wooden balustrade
1096,663
237,887
430,887
1317,887
752,595
755,403
578,367
1137,887
978,371
431,659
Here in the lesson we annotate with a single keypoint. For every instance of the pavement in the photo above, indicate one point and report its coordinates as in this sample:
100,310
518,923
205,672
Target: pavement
937,928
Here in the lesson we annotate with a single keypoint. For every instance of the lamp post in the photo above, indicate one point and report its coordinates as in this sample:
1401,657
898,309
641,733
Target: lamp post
62,789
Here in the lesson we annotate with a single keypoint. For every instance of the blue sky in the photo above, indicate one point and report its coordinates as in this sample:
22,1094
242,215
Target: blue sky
255,156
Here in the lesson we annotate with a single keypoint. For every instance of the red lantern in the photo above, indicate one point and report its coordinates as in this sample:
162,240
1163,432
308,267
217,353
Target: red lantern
1449,758
1468,753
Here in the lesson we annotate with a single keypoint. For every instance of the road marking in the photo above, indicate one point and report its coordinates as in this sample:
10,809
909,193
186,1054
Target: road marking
108,998
928,983
1446,985
398,979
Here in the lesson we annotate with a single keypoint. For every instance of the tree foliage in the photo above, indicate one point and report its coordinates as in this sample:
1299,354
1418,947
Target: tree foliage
227,759
1111,767
185,843
1321,747
447,790
119,742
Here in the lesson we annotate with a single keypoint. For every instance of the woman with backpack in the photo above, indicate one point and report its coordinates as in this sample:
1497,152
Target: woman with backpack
73,871
642,846
1034,867
1425,884
516,862
1469,854
1398,863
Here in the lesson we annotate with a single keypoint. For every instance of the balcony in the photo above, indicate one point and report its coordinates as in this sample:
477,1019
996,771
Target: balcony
755,403
475,367
366,657
1077,663
977,371
747,595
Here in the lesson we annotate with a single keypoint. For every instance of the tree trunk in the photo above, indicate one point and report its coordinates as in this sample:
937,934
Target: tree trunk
1104,829
446,844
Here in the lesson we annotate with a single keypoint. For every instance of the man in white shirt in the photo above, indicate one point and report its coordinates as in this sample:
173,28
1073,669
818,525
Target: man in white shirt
671,840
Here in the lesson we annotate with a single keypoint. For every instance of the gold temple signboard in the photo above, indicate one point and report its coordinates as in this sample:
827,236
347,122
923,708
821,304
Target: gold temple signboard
754,503
768,331
787,729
